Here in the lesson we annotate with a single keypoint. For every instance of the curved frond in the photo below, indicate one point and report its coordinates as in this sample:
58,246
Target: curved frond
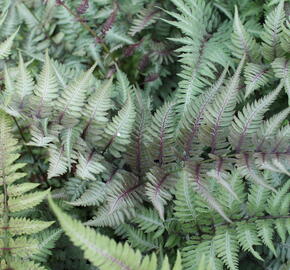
161,135
118,131
256,77
71,101
249,120
271,47
220,113
242,41
159,188
5,46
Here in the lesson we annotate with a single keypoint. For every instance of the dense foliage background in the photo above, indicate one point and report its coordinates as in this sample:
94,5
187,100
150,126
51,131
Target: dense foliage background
159,125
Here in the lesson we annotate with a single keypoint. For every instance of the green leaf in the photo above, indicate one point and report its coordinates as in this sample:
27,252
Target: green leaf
266,232
5,47
227,247
26,201
100,250
248,237
243,42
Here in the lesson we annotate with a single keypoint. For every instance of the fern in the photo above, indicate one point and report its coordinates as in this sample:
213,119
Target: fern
273,29
103,251
243,42
14,200
176,138
5,46
117,133
72,98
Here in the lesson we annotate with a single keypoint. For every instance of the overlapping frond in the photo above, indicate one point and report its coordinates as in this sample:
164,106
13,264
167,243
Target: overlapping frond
5,46
271,47
117,132
159,188
249,120
72,99
46,90
242,41
16,242
161,135
256,77
102,251
218,117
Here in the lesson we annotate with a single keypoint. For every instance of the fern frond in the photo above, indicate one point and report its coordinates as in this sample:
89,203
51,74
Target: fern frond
39,134
149,221
138,239
249,120
46,242
89,165
22,246
271,46
71,101
101,250
125,194
285,36
57,161
19,189
257,198
219,115
161,135
27,201
242,42
191,121
275,201
95,112
24,83
281,67
46,90
145,17
19,226
20,264
266,232
256,76
269,129
202,50
197,172
69,137
94,195
103,218
206,251
159,188
184,208
9,91
123,87
5,47
248,169
226,244
117,133
247,237
14,198
137,154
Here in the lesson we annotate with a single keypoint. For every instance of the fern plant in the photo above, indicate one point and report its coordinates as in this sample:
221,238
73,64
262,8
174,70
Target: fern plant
203,169
105,252
17,244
